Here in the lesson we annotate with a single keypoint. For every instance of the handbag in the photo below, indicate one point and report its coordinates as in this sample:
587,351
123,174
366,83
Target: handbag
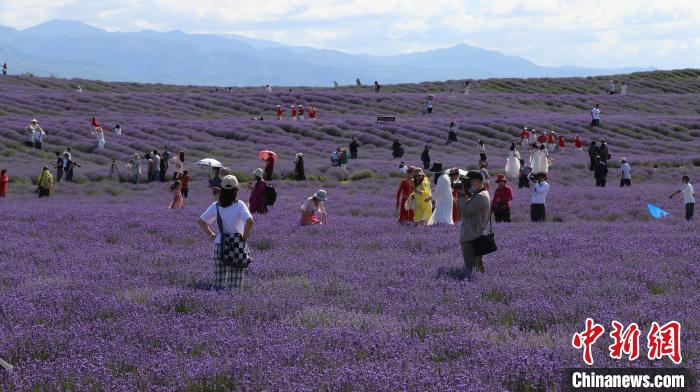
233,250
486,243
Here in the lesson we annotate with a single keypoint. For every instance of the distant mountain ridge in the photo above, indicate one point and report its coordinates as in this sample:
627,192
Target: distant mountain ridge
76,50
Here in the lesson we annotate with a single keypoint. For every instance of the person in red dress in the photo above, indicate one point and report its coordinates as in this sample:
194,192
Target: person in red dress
94,123
578,143
524,139
294,112
280,112
550,141
312,112
501,199
562,143
4,180
405,190
542,138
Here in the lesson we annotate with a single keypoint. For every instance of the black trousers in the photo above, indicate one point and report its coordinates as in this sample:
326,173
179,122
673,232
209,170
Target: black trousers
626,182
595,123
353,154
37,144
600,181
426,165
43,192
689,208
59,174
537,213
501,214
184,192
523,182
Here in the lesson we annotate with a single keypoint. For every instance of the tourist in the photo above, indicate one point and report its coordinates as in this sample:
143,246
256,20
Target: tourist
149,163
37,134
233,218
94,123
402,196
293,112
4,68
335,157
185,182
551,142
268,89
344,159
377,87
4,181
593,152
135,167
300,112
524,139
397,150
688,197
578,143
466,88
280,112
59,166
600,172
423,206
474,208
442,196
513,162
625,169
403,169
429,104
68,166
45,182
118,129
562,143
312,112
157,165
611,87
425,156
269,167
595,116
483,169
482,146
524,175
164,164
623,89
257,202
312,206
178,201
215,182
452,134
603,151
299,174
99,134
501,199
482,159
540,189
178,164
354,144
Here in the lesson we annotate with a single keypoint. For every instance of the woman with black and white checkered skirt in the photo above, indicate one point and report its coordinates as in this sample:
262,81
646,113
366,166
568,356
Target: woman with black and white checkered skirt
235,218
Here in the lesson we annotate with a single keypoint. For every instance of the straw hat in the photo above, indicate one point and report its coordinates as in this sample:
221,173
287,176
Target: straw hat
229,182
34,121
321,195
501,178
258,172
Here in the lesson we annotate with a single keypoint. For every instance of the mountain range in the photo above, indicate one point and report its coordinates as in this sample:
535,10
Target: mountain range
73,49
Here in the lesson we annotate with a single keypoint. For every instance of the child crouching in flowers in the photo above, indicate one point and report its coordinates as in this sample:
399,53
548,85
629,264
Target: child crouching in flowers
311,206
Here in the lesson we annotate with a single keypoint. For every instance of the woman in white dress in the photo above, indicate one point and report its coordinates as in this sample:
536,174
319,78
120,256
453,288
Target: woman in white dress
100,134
513,162
543,160
443,198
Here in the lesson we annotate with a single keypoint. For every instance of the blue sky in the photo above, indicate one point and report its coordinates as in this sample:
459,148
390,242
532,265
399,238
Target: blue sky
609,33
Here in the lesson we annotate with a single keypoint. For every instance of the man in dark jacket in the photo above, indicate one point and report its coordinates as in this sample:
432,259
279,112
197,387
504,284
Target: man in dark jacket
425,157
353,147
592,153
600,172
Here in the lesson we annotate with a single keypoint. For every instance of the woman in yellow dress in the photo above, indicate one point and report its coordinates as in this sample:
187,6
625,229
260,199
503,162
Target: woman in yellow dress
423,199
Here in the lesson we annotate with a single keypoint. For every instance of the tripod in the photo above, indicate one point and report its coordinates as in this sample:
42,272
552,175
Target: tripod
113,170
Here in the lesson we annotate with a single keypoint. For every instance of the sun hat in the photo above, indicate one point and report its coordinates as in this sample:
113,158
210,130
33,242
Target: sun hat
321,195
437,167
258,172
300,154
229,182
501,178
35,121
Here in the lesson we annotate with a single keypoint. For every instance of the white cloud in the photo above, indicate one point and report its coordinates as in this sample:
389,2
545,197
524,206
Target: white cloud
601,33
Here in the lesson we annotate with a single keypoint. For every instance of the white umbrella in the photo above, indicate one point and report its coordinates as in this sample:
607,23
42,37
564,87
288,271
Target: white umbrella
211,162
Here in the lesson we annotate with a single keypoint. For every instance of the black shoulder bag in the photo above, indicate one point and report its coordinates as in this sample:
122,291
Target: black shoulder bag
486,243
233,250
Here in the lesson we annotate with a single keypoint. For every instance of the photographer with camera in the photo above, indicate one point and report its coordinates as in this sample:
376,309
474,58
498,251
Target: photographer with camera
475,210
540,190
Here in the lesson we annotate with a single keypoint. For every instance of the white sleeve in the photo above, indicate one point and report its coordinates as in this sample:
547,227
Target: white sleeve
245,212
209,215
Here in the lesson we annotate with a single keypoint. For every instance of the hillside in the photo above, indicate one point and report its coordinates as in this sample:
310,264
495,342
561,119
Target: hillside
657,121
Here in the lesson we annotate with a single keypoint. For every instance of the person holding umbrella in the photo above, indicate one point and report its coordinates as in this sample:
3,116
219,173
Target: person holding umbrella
269,157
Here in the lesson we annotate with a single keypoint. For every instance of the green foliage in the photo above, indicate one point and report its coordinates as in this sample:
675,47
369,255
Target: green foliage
362,174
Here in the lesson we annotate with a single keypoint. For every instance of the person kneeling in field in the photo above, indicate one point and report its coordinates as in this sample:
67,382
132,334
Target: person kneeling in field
311,206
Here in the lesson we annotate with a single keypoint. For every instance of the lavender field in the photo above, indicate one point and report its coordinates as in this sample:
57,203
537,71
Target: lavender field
104,288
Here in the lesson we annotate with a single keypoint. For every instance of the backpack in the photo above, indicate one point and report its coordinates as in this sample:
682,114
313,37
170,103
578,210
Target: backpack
270,195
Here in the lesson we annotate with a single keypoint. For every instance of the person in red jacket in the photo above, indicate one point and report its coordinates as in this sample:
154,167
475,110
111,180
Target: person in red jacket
550,141
578,143
312,112
94,123
4,180
501,199
562,143
280,112
294,112
542,138
524,139
300,113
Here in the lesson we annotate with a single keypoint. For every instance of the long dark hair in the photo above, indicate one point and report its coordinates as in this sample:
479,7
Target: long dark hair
228,197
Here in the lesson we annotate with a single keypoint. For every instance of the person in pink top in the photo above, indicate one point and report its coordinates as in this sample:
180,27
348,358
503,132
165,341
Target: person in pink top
178,201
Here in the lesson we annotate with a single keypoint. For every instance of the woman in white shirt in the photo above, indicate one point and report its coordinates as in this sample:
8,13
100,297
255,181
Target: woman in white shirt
236,220
688,197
